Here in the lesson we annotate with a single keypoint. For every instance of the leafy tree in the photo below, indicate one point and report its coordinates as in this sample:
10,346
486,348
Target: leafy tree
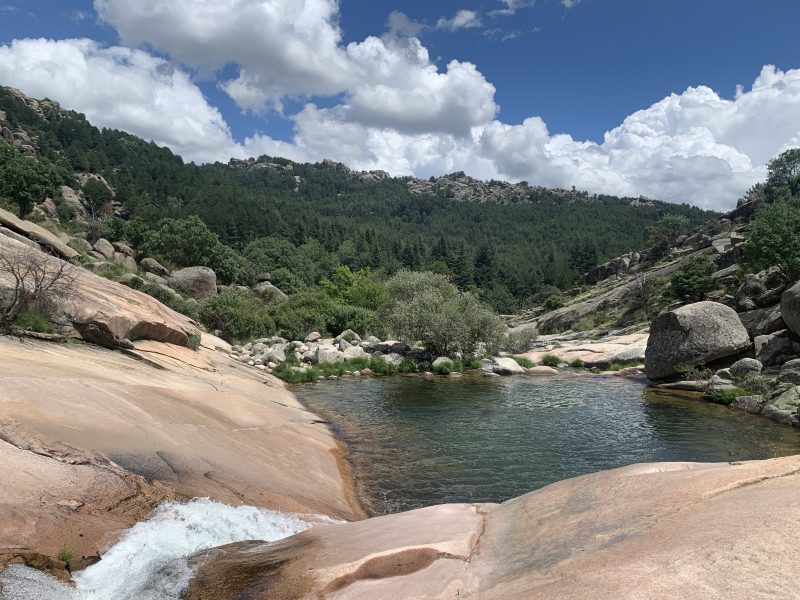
239,314
553,302
663,234
25,180
425,307
693,280
784,171
774,239
356,289
97,197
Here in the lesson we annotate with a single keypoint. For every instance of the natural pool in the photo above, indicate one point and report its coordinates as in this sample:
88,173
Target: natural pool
416,441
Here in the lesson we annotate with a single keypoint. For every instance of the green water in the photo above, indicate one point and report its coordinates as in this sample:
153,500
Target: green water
416,441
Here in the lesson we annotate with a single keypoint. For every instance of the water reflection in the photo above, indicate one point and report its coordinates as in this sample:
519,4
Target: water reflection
417,441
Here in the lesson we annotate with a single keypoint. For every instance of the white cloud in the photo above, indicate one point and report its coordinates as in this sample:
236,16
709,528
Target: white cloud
463,19
570,3
511,7
121,88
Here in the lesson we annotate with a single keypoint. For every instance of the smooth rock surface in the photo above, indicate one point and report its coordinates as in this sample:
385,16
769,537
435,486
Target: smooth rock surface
37,234
790,308
198,282
666,531
691,335
507,366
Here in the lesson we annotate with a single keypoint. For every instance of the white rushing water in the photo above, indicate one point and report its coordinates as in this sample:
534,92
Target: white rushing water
150,562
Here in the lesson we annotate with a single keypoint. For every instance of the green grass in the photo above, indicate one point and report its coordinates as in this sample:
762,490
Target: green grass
550,360
576,363
377,364
33,322
65,554
524,361
618,366
727,396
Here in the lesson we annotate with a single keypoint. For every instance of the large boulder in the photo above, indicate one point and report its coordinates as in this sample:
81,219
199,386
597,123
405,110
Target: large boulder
776,348
790,372
38,234
354,352
507,366
151,265
692,335
104,247
326,355
268,292
790,308
762,321
198,282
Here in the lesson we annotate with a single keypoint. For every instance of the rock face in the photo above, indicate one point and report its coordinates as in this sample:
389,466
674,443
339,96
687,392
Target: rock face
197,282
104,247
113,315
790,308
667,530
37,234
692,335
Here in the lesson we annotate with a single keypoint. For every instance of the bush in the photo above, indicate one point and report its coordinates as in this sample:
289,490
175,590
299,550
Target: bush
553,302
520,340
774,239
576,363
355,289
524,361
317,311
693,280
551,360
238,314
25,180
65,554
663,234
28,321
425,307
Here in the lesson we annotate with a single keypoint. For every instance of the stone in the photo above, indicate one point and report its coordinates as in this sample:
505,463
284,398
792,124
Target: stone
783,408
394,359
314,336
123,248
744,367
104,247
455,375
268,292
750,404
391,346
38,234
354,352
366,372
775,348
507,366
691,335
151,265
19,237
348,335
48,209
790,308
276,355
153,278
197,282
326,355
541,370
126,261
790,372
762,321
81,245
344,345
750,289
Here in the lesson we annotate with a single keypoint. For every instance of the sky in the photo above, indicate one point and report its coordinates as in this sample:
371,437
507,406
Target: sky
680,100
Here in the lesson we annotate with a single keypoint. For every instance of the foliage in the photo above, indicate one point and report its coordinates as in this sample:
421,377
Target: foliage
97,197
693,280
189,242
726,396
239,314
37,283
355,288
65,554
553,302
774,239
424,306
445,368
524,361
317,311
520,340
662,235
308,374
551,360
25,180
28,321
645,296
576,363
783,171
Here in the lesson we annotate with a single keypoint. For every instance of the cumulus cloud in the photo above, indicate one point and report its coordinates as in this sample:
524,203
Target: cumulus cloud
463,19
124,89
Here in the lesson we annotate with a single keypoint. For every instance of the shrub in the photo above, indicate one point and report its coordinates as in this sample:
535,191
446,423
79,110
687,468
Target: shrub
663,234
520,340
550,360
355,288
317,311
693,280
238,314
65,554
524,361
576,363
728,396
425,307
25,180
28,321
553,302
774,239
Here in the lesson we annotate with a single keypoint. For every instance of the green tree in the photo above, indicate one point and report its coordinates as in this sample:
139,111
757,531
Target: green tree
663,234
97,196
425,307
784,171
774,239
693,281
355,288
239,314
25,180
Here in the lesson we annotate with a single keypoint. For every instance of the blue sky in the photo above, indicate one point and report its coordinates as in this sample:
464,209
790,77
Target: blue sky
359,88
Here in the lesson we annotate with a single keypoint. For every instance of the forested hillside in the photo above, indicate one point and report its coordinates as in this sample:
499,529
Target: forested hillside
301,220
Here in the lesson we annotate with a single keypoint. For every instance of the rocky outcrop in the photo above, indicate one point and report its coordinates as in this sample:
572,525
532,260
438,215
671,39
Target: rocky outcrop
665,530
197,282
692,335
790,308
110,314
104,247
37,234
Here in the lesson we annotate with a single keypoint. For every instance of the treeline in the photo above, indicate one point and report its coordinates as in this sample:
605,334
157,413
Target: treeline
311,218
